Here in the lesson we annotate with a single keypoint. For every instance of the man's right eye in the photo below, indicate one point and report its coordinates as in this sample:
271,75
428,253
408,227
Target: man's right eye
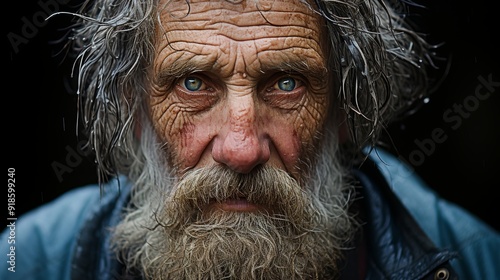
193,83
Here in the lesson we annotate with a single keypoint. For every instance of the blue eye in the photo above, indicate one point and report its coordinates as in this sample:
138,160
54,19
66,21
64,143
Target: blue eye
286,84
193,83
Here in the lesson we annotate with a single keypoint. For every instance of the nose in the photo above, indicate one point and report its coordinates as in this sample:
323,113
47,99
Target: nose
239,144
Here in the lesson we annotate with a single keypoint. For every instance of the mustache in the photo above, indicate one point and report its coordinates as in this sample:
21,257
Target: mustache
266,186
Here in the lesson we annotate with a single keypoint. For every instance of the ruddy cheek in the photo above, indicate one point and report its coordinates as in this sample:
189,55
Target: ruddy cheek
186,135
293,148
285,143
181,144
191,143
303,135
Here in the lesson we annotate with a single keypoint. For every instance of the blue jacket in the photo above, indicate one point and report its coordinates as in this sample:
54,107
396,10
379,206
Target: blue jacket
411,233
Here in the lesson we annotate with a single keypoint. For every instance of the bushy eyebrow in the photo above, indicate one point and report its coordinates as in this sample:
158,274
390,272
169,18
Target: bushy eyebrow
303,67
181,68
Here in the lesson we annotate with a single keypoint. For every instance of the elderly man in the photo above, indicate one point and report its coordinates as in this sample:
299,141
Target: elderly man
236,140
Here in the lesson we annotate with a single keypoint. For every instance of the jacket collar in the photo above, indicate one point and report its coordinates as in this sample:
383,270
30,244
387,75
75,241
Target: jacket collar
397,247
92,258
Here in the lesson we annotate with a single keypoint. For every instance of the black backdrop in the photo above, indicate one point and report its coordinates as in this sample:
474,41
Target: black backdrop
452,141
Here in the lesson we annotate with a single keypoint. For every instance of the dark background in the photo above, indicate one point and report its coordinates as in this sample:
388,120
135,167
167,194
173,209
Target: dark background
40,109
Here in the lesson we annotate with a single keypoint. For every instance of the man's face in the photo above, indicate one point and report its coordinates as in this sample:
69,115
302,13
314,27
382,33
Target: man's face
239,85
239,103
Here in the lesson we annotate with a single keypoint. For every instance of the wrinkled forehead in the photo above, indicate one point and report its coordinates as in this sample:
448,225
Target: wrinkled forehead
240,13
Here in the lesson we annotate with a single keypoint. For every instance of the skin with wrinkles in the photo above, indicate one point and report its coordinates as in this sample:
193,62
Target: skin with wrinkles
239,117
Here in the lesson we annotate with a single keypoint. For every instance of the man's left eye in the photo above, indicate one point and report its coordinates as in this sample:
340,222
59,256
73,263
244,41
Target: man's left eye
286,84
193,83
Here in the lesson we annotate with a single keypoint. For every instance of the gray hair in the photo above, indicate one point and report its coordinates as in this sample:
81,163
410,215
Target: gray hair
379,62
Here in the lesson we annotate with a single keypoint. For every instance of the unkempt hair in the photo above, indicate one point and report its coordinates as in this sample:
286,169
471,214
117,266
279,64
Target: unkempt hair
378,63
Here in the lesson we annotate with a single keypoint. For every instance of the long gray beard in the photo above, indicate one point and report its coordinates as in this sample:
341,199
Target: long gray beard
170,232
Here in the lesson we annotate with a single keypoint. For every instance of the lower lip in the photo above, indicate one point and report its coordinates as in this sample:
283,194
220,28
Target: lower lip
237,205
